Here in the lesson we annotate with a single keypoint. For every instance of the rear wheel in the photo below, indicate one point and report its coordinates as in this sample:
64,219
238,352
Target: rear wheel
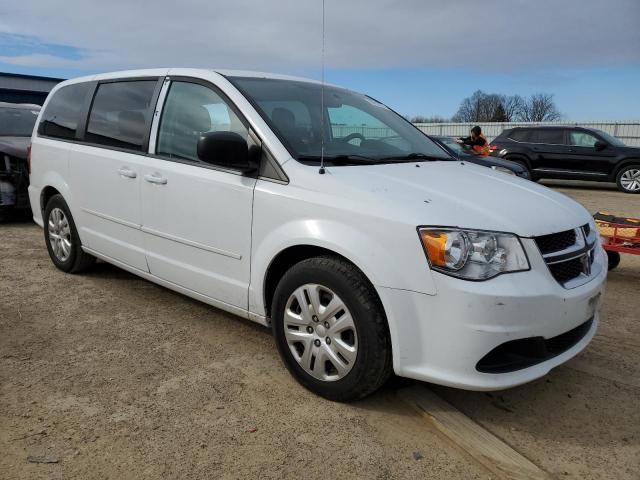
61,237
628,179
331,330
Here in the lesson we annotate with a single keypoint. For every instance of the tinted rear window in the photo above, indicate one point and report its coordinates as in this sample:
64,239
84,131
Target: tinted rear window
519,135
553,136
62,114
119,113
17,122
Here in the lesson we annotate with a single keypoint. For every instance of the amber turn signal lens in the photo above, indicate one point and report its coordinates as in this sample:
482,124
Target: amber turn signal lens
434,243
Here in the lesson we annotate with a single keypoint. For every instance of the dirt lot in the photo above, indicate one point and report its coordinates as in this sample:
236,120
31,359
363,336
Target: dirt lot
111,376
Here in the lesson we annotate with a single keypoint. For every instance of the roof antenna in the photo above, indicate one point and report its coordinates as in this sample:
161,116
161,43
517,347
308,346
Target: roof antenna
322,170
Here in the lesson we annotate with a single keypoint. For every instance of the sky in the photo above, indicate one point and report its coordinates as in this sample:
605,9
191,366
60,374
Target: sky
420,57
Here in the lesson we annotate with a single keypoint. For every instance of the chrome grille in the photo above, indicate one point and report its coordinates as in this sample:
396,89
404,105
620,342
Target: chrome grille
569,255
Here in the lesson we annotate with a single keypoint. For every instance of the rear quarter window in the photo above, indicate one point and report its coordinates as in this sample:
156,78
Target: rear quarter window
62,114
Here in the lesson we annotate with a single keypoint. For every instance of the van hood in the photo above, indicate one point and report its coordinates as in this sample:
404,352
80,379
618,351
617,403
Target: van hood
460,194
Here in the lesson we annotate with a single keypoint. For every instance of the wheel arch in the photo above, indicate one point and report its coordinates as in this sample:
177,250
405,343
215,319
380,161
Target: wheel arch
624,163
293,254
519,157
287,258
45,194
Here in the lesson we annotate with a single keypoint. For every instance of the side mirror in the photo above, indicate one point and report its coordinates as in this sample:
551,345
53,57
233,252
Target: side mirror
226,149
599,145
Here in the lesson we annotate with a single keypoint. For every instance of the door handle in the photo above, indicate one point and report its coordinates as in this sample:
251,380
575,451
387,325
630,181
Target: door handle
127,172
155,179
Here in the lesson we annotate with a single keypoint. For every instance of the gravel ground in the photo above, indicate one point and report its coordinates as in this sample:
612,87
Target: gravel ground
110,376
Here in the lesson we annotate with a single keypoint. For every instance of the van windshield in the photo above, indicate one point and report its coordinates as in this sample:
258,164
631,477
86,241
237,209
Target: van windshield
357,128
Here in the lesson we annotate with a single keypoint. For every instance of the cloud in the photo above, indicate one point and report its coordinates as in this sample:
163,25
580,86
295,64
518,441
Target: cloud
41,60
284,35
17,45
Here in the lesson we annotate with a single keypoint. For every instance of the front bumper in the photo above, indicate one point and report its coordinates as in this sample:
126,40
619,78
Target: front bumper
441,338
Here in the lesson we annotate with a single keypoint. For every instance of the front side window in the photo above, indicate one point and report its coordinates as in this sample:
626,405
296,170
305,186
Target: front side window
119,113
582,139
17,122
355,127
189,111
62,113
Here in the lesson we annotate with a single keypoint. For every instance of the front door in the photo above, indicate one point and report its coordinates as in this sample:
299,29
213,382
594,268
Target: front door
196,218
584,158
106,169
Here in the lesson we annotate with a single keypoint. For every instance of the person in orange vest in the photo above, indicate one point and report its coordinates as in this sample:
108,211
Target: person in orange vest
476,142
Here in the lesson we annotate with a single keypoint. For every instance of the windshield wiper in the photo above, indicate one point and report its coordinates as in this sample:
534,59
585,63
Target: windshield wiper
417,156
351,159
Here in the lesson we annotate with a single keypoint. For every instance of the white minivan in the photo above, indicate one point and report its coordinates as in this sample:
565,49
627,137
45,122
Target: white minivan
324,214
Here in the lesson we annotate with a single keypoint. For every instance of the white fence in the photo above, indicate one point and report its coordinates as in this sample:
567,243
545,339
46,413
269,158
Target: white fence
628,132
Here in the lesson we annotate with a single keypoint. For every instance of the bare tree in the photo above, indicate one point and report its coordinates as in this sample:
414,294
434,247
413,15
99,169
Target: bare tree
513,106
467,110
539,107
433,119
479,107
488,107
499,115
491,107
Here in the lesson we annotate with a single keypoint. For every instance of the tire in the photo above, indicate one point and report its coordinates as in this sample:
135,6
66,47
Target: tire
628,179
613,260
520,161
329,282
61,238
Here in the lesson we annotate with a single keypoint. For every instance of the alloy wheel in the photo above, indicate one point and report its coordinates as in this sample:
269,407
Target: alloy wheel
59,234
630,180
320,332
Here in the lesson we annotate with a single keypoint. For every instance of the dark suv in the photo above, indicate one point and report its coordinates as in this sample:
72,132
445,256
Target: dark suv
573,153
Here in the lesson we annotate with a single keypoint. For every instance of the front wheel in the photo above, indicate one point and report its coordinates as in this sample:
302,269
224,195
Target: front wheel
628,179
330,329
520,161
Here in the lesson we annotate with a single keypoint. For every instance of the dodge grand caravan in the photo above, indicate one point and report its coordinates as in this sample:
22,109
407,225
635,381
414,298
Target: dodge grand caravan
322,214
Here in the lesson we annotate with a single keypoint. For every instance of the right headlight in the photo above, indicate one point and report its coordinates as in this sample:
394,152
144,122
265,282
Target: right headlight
473,254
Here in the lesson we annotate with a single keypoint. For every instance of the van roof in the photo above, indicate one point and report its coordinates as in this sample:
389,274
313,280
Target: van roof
186,71
254,74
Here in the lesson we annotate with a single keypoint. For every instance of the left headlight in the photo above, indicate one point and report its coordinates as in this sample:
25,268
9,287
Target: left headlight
473,254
